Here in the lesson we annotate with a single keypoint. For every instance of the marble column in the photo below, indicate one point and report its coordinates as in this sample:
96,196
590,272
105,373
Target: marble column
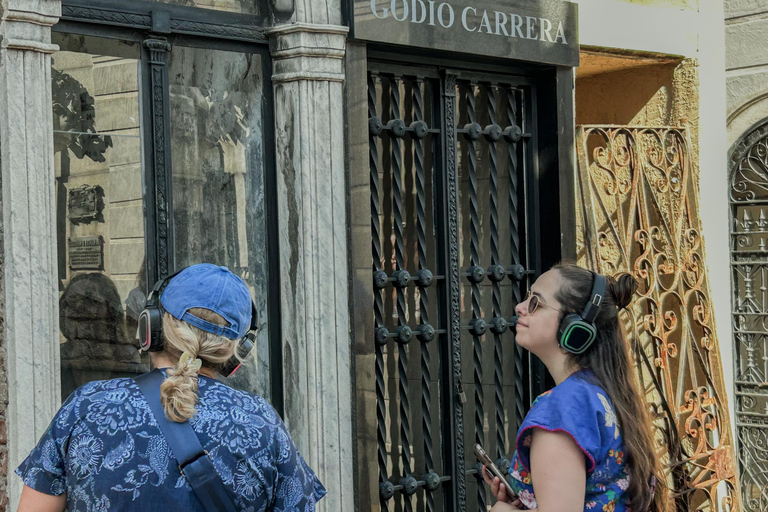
308,83
30,339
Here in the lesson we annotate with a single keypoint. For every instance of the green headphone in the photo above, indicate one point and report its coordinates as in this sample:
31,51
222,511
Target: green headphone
577,331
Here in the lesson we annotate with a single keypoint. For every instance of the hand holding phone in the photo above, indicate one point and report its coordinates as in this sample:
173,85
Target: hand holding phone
494,470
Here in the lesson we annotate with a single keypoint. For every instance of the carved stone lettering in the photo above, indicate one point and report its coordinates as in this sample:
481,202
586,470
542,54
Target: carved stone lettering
86,253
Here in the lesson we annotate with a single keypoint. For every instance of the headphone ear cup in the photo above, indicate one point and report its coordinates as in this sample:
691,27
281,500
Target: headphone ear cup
150,329
565,323
244,347
575,335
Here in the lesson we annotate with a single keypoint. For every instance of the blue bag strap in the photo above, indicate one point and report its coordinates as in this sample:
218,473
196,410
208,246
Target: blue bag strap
194,462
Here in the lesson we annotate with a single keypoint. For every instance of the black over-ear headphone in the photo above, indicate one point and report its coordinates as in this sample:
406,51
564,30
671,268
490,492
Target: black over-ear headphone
577,331
151,328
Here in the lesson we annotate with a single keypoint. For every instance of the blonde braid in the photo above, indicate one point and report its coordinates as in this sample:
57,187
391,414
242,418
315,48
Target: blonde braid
178,392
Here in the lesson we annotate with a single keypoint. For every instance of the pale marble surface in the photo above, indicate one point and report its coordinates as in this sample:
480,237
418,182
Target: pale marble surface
26,163
309,110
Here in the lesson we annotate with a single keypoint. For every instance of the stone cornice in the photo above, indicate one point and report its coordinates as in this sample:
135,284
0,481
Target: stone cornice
304,51
29,45
312,28
27,26
34,18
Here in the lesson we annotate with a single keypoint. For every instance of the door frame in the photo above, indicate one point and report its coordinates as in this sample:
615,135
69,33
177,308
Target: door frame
554,214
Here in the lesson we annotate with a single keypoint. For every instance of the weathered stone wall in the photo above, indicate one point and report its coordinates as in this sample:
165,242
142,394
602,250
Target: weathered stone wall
663,95
3,373
684,4
746,33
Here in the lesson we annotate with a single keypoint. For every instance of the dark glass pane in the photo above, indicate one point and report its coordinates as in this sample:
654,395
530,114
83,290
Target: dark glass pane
218,176
100,223
238,6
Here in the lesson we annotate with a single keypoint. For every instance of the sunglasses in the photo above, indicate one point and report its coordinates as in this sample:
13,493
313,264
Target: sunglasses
534,301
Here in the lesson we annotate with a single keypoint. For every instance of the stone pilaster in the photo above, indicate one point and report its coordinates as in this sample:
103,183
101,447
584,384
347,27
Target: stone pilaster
30,336
312,197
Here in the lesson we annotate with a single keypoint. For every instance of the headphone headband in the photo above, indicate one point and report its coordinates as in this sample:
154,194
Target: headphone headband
596,299
577,332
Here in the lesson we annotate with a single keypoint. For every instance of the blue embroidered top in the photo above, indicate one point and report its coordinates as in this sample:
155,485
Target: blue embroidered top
579,407
105,450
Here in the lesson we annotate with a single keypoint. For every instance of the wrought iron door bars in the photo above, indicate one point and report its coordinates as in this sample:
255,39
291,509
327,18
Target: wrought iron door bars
448,157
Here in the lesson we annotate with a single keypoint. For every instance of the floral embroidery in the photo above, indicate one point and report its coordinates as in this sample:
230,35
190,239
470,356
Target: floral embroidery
528,499
610,416
105,451
618,455
546,393
581,409
520,473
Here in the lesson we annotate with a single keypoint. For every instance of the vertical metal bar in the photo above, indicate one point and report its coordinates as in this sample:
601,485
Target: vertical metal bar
496,290
273,248
378,305
421,230
538,378
514,232
474,257
161,154
565,85
148,174
454,289
402,321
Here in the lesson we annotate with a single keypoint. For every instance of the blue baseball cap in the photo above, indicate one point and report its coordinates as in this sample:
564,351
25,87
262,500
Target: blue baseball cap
211,287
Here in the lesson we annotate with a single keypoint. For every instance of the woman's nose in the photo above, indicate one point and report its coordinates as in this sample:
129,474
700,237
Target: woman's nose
521,308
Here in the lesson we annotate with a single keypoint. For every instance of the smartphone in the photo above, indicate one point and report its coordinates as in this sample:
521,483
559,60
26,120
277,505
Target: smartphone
485,459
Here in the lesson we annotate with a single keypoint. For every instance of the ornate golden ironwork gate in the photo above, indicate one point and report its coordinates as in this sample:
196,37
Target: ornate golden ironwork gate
749,274
639,213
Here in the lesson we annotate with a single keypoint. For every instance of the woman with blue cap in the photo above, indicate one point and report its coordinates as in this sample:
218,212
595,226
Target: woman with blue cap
175,437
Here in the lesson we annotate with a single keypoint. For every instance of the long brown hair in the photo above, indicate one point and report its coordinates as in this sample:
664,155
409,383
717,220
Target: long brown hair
609,359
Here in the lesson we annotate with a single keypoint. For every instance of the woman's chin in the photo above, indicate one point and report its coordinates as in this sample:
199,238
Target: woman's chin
521,339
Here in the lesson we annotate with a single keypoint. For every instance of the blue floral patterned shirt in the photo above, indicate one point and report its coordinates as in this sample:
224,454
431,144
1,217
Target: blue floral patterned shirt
579,407
105,450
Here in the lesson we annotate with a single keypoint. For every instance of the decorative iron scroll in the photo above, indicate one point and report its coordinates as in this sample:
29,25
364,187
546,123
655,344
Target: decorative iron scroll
639,213
748,179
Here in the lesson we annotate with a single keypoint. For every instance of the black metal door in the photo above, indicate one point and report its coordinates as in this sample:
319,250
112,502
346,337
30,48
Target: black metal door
452,181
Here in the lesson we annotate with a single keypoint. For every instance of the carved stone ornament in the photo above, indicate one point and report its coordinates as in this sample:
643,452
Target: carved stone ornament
86,204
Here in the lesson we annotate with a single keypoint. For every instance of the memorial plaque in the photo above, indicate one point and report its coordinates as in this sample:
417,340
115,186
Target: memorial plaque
86,253
86,204
543,31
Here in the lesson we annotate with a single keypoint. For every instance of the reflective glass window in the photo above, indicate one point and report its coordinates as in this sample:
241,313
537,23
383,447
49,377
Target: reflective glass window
217,152
100,221
218,176
237,6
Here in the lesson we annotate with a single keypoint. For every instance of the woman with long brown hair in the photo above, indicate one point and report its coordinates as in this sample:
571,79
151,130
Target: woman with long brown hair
586,444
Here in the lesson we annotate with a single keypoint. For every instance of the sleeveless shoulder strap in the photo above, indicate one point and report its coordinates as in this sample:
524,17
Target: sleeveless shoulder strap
194,462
